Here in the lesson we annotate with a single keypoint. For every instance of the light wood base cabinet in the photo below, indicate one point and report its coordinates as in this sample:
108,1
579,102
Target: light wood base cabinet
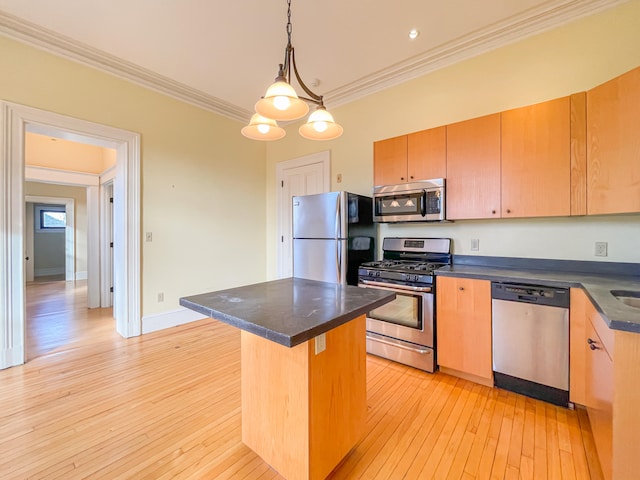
302,412
605,368
463,326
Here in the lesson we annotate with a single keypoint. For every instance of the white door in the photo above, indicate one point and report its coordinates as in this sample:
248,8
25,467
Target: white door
106,245
301,176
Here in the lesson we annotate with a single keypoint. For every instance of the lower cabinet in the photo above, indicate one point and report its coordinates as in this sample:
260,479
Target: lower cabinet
599,392
605,368
463,327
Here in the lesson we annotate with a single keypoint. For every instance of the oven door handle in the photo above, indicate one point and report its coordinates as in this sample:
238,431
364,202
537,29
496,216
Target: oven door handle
393,286
397,345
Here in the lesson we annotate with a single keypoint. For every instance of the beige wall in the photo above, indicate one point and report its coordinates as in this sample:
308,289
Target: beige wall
569,59
44,151
202,182
79,195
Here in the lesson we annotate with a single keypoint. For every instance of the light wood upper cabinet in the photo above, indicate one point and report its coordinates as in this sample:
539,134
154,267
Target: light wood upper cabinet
536,164
464,326
473,168
390,161
427,154
409,158
613,145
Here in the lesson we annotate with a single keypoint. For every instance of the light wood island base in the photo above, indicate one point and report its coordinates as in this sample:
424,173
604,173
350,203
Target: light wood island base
302,412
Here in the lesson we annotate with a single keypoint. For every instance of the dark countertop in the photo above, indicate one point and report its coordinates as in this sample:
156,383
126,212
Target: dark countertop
288,311
597,287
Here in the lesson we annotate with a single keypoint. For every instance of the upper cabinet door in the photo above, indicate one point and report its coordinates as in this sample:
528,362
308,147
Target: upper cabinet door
613,145
390,161
427,154
473,168
536,160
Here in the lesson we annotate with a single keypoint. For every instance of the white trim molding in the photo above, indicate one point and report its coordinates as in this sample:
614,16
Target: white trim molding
60,177
66,47
15,120
172,318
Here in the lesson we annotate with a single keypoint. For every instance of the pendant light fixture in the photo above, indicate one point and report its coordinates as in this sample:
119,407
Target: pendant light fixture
281,102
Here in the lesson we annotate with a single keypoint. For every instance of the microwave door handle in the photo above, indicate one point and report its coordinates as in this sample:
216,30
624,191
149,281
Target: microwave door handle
423,203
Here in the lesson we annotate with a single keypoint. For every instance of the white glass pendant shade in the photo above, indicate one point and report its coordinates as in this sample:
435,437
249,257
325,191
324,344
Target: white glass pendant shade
281,102
261,128
320,126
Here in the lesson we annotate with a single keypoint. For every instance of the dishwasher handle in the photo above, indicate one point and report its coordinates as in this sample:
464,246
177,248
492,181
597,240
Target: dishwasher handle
533,294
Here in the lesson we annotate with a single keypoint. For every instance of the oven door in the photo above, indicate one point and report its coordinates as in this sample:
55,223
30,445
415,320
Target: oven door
409,317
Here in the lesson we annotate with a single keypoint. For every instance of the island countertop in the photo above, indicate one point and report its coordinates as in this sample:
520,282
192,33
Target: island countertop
289,311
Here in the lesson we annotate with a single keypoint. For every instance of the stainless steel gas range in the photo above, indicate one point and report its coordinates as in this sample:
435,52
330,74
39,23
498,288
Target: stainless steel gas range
404,329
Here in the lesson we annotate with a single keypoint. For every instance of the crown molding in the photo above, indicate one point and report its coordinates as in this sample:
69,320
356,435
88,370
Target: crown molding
44,39
550,15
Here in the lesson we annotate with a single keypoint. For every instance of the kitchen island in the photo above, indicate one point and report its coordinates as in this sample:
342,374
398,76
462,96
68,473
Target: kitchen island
303,368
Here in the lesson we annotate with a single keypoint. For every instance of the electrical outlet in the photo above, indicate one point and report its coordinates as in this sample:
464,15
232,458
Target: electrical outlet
321,343
475,244
339,178
148,237
160,297
601,249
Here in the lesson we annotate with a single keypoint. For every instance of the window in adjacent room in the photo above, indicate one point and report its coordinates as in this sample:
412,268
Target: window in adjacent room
50,218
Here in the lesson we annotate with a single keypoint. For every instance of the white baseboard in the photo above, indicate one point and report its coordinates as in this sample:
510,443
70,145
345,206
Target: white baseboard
81,275
43,272
10,357
172,318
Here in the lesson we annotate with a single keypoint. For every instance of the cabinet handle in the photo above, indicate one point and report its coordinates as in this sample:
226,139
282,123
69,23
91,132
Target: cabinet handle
493,212
508,210
592,344
411,177
461,288
401,178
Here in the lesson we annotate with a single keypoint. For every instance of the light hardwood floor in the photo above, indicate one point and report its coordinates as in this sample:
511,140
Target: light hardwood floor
167,406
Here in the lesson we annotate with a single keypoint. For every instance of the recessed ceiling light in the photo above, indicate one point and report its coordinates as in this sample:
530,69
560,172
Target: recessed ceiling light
414,33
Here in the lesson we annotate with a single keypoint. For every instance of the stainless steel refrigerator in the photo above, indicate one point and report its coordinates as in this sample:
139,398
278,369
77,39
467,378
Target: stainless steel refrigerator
333,233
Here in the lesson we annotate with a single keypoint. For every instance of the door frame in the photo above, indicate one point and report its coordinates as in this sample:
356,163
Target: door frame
323,158
69,230
15,121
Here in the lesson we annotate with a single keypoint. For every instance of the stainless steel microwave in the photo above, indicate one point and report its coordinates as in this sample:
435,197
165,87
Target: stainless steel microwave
422,201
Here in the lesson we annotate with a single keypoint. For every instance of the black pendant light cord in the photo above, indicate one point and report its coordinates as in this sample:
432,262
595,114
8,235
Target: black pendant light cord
284,72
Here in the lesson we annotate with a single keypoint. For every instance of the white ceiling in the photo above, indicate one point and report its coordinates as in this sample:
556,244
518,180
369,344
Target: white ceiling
223,55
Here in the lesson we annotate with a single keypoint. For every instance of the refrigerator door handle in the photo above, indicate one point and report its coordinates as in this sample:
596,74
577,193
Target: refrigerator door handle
339,260
337,222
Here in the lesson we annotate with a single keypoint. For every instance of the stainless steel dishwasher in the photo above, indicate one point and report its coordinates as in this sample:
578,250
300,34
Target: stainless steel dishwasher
531,340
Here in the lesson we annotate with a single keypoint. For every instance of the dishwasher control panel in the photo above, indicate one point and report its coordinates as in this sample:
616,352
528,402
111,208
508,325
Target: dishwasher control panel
537,294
